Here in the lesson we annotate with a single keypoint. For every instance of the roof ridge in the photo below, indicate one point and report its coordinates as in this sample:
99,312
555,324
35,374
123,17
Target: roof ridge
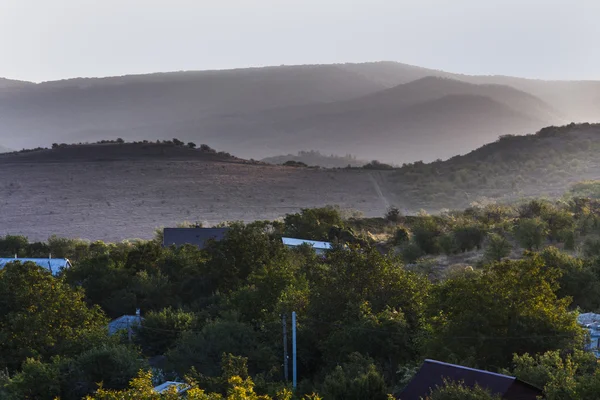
469,369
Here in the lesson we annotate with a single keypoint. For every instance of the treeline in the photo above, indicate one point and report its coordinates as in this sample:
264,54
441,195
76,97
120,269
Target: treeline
369,311
119,141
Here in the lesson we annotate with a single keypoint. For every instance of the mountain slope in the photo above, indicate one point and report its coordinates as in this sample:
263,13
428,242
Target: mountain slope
543,164
94,109
6,84
422,120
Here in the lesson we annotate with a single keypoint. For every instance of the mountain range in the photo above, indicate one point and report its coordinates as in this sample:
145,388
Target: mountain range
388,111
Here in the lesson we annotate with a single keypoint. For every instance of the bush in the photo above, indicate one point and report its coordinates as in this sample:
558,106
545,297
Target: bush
402,236
448,244
411,253
497,247
531,232
460,391
425,233
469,237
358,379
393,214
161,329
113,365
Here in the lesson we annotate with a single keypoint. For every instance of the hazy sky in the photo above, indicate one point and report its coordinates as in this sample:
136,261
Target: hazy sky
53,39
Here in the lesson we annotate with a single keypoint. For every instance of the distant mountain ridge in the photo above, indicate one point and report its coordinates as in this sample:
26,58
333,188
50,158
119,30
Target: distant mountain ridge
385,110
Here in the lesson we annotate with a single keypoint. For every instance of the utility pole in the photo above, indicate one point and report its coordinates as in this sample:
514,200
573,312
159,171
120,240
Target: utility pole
285,347
294,372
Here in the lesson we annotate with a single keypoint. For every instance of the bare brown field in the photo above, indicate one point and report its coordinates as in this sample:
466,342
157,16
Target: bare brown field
116,200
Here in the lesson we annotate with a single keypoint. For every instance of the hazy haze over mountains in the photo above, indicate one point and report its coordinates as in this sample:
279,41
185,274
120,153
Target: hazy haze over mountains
389,111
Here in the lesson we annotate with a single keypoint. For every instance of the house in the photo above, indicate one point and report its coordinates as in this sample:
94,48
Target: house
125,323
433,373
319,247
54,265
164,387
194,236
591,322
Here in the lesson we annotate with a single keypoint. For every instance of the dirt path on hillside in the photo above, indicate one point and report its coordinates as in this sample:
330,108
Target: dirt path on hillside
375,182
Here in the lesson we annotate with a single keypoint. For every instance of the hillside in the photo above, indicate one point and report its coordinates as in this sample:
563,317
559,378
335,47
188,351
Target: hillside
259,112
139,151
544,164
118,191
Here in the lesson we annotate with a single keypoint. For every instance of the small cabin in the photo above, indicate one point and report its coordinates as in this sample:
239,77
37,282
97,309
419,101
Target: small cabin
54,265
319,247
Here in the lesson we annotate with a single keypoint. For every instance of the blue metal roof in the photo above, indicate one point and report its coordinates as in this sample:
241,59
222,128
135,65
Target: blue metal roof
54,265
314,243
124,322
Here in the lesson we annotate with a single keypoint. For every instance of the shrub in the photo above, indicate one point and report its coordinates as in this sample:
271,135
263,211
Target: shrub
425,233
402,236
497,247
358,379
393,214
161,329
460,391
531,232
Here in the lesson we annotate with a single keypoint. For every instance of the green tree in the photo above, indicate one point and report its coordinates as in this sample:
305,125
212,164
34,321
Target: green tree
41,316
469,236
161,329
497,248
113,365
459,391
482,318
563,376
11,245
313,223
36,380
357,379
531,232
203,349
426,231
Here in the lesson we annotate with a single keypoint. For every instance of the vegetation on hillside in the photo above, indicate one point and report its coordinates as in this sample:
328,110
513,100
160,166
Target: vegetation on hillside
514,167
369,311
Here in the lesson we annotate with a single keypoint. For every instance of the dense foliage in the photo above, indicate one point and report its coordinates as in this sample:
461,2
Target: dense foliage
468,287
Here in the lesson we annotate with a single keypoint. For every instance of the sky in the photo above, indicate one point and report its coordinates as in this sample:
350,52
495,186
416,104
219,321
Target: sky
44,40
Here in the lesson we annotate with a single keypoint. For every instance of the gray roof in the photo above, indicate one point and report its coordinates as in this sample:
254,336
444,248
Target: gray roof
123,323
194,236
54,265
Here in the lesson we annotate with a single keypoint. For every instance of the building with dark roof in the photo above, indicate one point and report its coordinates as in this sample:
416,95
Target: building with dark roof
194,236
433,373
